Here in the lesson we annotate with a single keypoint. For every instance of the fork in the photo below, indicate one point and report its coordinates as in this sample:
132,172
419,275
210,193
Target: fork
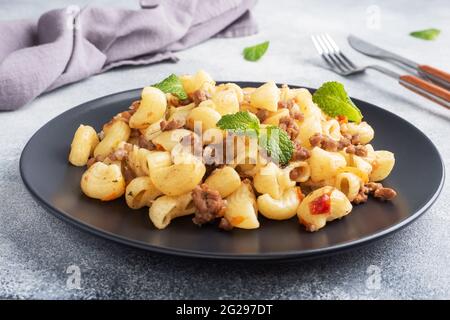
341,64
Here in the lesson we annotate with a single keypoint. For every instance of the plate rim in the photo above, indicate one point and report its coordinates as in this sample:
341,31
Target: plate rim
271,256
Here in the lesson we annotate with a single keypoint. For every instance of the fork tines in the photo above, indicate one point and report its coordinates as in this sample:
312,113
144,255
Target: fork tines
330,52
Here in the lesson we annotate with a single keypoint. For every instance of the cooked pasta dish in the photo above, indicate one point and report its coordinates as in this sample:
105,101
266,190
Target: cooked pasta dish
226,154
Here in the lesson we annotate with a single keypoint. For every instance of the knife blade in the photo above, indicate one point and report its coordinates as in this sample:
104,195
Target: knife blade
377,52
439,77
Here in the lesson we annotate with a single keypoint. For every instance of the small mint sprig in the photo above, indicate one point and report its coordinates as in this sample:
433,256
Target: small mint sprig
254,53
172,84
332,98
427,34
272,139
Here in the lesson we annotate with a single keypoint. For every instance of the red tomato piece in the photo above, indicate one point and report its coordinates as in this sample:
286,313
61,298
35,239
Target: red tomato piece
321,205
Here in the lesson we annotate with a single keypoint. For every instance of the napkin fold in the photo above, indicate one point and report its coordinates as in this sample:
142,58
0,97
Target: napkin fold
70,44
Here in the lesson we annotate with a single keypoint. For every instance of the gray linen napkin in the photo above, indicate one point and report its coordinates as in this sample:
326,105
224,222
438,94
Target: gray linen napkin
70,44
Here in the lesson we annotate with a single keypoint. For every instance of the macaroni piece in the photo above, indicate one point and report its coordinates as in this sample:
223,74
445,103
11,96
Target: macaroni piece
84,142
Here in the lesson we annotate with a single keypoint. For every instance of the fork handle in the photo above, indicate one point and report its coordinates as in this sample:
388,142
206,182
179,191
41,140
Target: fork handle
440,77
426,89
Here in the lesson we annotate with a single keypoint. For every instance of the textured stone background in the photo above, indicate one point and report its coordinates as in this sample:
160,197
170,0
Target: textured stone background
36,248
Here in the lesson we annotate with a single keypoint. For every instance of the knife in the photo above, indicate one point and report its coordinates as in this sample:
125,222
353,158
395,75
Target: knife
439,77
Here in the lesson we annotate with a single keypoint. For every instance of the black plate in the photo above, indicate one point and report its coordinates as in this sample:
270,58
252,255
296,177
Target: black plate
418,177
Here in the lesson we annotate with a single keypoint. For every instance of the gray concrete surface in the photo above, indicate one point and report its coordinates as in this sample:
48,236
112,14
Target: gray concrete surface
36,248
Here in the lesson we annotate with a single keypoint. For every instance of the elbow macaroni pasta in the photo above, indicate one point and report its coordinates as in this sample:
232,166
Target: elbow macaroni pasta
140,192
339,207
165,208
178,178
225,180
226,101
266,97
279,209
274,119
84,142
195,82
157,169
303,170
115,133
332,129
382,165
169,139
309,127
241,208
138,161
363,130
104,182
205,115
325,164
151,109
349,184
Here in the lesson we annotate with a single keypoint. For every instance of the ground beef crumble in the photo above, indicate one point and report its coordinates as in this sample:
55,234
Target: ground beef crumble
355,139
118,155
377,190
288,124
361,196
200,95
300,153
135,133
285,104
324,142
225,224
373,186
262,114
144,143
134,106
174,101
297,115
343,143
93,160
294,113
171,125
359,150
385,194
128,173
329,144
295,173
209,205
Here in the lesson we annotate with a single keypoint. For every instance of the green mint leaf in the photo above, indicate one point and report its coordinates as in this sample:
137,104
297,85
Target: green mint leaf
251,133
277,143
272,138
427,34
172,84
254,53
239,122
332,98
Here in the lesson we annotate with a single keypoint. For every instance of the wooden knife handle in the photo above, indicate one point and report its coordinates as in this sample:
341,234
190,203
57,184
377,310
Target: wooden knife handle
426,89
435,72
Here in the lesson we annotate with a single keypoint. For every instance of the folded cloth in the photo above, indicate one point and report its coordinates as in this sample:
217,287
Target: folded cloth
70,44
